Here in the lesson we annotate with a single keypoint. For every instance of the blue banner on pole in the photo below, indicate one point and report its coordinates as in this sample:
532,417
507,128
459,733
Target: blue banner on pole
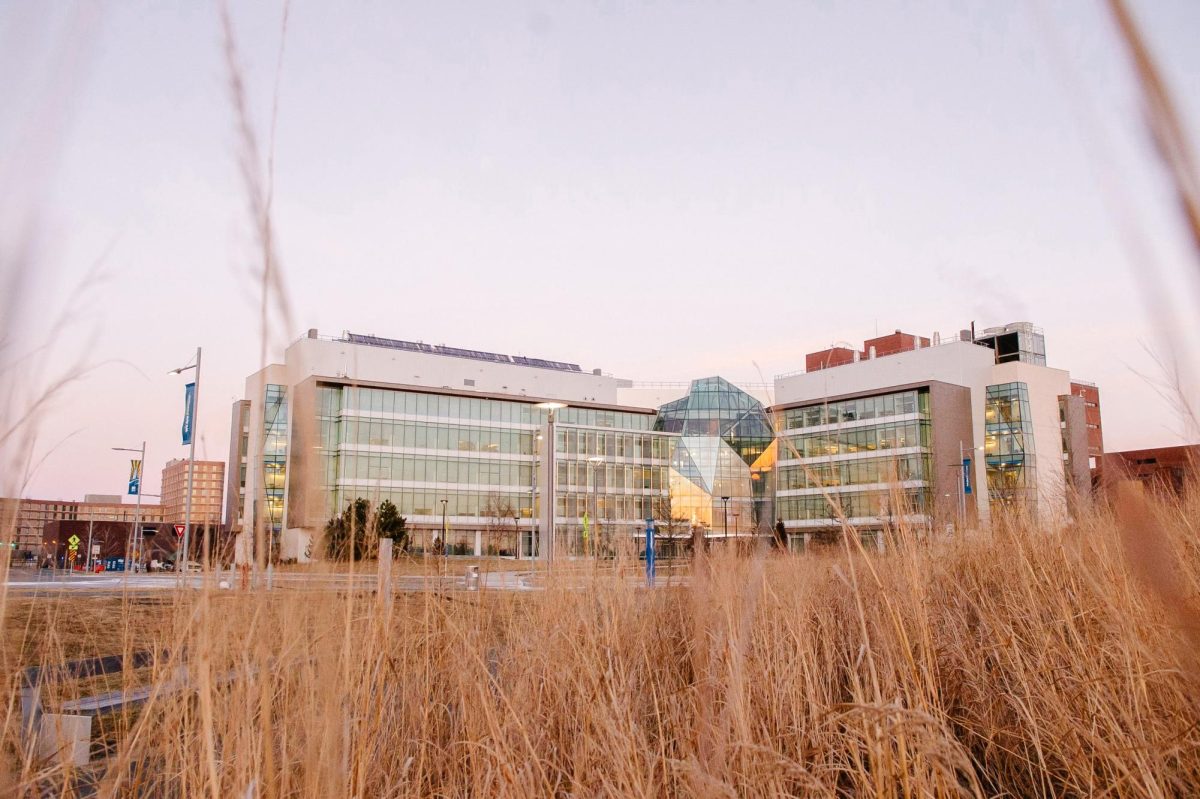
650,553
966,475
189,403
135,477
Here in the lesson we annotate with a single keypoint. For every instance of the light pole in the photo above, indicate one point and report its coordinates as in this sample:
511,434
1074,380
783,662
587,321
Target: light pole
537,437
546,533
181,563
91,518
725,501
445,543
134,546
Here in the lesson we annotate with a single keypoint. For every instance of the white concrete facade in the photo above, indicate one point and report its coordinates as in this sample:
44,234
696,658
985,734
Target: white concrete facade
961,363
310,357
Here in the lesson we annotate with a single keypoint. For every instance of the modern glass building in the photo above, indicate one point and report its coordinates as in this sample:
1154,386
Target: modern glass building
940,433
916,430
456,439
611,475
864,461
471,462
722,466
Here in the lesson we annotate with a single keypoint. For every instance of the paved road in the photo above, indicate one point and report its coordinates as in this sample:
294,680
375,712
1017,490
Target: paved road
44,582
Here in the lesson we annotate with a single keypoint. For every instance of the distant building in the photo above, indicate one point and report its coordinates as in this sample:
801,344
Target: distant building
1160,468
26,519
1090,395
208,486
453,437
235,482
111,540
931,431
462,441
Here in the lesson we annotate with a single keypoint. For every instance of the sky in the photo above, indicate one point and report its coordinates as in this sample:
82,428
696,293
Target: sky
661,190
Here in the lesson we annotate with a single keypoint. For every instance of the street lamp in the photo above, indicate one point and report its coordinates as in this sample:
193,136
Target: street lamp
537,438
546,544
181,563
135,543
445,543
725,500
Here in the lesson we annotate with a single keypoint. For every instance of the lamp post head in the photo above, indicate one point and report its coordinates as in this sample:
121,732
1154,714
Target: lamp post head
550,405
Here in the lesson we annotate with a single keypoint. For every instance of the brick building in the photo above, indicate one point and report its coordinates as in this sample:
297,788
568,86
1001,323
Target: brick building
207,490
23,521
1090,395
1160,468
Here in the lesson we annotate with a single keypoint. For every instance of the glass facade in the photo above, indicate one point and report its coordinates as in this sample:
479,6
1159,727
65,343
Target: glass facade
722,466
608,482
274,458
478,456
870,456
1008,448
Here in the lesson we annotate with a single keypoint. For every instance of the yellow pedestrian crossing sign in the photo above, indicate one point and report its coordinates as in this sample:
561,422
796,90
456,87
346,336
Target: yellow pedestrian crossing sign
73,541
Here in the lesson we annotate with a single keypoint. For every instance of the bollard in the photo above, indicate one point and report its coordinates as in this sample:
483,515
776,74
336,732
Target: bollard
472,579
383,580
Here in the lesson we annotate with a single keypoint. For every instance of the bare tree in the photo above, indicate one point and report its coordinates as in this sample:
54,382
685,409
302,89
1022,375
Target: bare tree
669,523
498,511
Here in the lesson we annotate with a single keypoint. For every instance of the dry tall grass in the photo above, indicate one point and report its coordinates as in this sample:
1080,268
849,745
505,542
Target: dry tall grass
1023,663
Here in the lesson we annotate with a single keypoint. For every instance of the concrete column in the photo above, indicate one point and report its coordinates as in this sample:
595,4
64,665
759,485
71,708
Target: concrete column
478,543
546,486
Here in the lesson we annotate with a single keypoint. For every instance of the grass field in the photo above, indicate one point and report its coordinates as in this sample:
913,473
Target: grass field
1021,663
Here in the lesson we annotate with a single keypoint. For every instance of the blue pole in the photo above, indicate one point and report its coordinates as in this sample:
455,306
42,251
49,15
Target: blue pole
650,553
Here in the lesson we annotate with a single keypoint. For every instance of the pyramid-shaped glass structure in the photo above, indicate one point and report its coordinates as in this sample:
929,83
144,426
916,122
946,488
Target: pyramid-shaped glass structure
721,466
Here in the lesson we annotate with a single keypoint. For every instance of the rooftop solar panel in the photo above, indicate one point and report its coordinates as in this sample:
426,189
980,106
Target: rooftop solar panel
561,366
456,352
395,344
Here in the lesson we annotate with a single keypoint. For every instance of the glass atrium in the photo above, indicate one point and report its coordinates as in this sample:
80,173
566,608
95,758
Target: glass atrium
1008,445
722,467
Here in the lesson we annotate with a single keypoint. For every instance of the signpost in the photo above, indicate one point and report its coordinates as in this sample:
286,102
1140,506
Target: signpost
191,403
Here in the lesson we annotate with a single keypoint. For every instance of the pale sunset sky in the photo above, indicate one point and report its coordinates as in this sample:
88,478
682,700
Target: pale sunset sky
663,190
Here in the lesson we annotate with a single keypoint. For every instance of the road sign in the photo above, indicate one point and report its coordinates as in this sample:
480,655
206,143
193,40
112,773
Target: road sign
73,541
179,530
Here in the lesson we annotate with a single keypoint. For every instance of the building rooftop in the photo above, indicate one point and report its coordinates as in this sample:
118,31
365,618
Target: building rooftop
372,340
